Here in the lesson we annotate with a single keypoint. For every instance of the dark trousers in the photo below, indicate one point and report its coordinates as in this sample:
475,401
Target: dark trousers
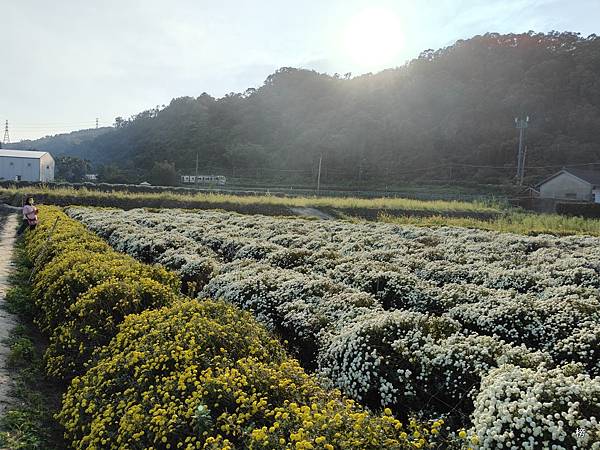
23,227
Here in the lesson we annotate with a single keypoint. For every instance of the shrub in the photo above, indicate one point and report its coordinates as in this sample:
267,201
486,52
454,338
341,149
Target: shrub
393,287
191,374
290,258
534,409
146,245
95,316
262,289
56,234
367,358
525,319
324,286
195,273
582,346
18,301
205,373
175,341
256,251
22,352
308,322
407,360
589,210
72,274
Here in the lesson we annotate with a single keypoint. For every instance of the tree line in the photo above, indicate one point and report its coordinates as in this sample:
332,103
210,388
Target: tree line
447,115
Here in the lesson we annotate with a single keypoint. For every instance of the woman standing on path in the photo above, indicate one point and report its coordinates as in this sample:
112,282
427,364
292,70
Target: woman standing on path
30,218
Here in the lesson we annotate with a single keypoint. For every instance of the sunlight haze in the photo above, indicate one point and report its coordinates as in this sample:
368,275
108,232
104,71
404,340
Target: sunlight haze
67,62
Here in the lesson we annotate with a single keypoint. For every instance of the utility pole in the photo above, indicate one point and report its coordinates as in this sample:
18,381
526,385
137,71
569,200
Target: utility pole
196,177
523,167
521,125
319,174
360,166
6,139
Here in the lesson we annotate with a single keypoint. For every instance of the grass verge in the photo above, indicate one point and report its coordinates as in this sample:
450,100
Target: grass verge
29,423
512,222
250,203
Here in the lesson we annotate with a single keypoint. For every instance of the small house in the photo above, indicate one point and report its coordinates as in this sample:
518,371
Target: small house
25,165
571,184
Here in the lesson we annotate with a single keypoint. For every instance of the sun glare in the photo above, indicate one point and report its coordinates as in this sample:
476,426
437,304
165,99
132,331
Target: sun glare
373,37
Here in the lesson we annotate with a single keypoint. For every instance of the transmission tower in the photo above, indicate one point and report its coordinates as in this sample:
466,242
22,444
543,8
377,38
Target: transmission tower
6,139
521,125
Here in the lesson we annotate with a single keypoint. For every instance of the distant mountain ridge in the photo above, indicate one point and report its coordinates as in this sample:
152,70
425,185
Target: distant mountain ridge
449,115
73,143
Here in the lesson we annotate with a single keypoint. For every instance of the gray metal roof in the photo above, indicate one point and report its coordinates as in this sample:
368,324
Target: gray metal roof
589,176
21,153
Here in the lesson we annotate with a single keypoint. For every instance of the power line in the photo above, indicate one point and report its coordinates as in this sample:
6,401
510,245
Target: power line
408,171
54,125
50,122
43,127
511,167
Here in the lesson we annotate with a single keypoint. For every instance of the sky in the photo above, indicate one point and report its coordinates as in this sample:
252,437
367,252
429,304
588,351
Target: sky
67,62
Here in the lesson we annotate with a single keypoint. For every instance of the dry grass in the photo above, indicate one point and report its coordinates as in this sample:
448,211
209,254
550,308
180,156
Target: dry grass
510,222
323,202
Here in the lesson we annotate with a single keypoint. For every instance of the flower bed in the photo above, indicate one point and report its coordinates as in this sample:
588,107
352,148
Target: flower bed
402,317
202,372
532,409
151,368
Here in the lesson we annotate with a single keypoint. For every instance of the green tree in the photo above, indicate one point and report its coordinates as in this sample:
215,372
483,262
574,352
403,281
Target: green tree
71,168
111,173
163,174
454,105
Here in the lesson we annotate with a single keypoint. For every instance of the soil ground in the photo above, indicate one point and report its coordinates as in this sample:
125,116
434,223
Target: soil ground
7,320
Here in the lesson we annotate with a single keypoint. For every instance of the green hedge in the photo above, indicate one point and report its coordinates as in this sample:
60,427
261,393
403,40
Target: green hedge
587,210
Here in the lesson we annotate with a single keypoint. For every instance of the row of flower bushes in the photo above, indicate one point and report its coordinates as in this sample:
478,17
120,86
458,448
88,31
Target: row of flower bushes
406,318
150,368
546,297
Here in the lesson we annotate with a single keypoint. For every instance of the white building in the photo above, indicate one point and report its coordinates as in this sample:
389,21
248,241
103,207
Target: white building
24,165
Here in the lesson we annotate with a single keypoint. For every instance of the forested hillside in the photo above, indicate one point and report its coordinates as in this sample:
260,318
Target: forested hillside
431,119
62,143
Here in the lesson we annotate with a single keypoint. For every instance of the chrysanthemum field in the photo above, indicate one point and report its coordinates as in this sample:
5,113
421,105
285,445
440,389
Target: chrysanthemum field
144,366
496,333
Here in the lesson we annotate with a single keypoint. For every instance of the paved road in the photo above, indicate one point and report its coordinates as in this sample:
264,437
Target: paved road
7,321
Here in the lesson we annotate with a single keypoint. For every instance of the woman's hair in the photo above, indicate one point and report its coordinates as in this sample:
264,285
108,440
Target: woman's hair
28,197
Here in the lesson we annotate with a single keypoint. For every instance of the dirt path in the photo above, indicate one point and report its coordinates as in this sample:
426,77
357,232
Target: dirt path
311,212
7,321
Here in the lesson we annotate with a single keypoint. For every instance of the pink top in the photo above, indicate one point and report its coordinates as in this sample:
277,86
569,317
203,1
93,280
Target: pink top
30,213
